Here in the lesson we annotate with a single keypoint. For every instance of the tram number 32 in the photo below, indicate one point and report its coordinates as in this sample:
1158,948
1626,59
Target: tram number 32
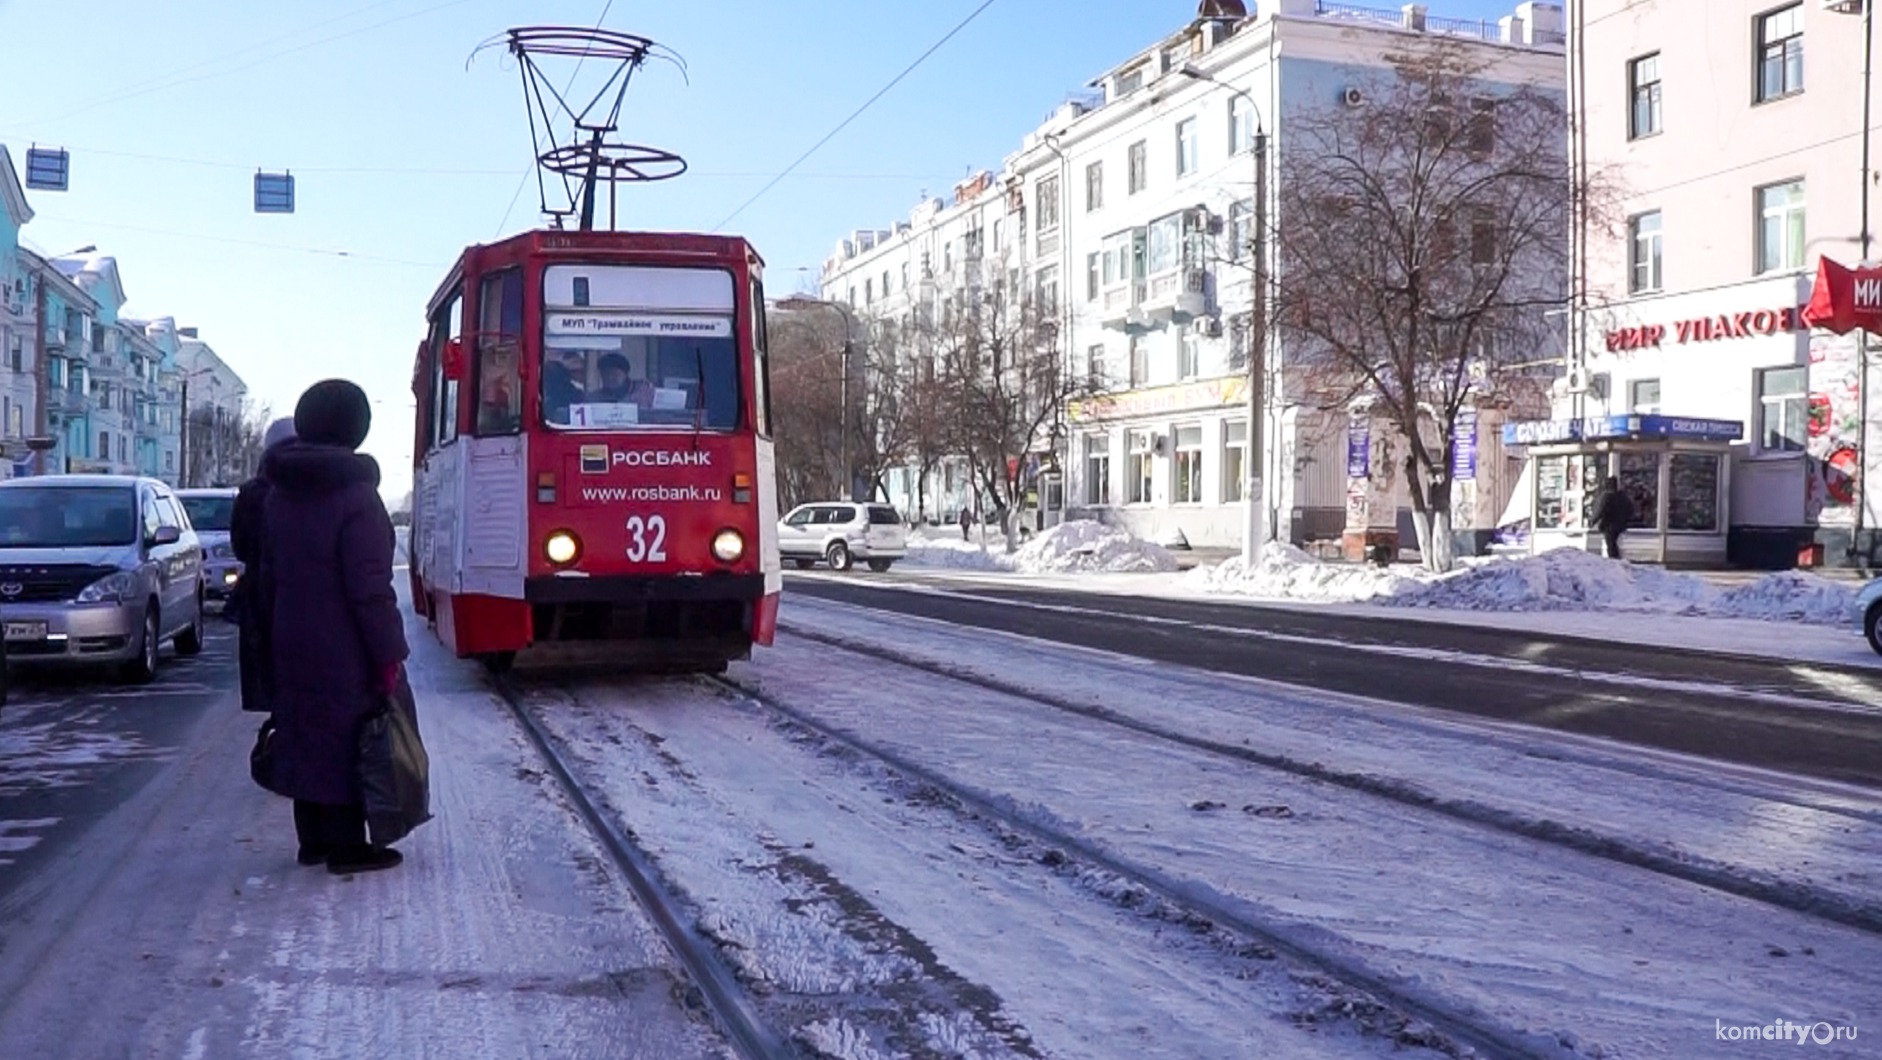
647,539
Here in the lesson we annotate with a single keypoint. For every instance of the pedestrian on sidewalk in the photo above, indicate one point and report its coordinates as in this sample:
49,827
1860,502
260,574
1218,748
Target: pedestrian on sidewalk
1613,514
337,640
245,540
967,520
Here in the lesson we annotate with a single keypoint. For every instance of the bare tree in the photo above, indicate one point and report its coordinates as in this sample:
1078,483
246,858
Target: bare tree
1003,383
1421,237
223,446
806,406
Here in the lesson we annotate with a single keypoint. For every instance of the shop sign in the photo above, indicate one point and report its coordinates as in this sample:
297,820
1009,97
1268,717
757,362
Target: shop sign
1709,329
1359,448
1595,428
1464,446
1210,393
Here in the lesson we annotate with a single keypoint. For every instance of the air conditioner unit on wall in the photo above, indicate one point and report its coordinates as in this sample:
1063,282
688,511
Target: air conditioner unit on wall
1352,96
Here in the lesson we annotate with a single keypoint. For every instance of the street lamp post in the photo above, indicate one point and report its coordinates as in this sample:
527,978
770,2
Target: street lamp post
849,352
1255,531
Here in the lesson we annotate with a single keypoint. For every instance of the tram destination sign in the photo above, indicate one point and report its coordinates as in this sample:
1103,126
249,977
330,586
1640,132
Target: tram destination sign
709,327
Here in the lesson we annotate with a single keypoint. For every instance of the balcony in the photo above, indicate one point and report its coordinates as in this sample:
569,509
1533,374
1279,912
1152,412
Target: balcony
1179,295
1119,306
66,401
55,338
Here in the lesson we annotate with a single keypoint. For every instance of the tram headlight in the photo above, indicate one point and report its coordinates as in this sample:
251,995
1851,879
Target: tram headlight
728,545
561,547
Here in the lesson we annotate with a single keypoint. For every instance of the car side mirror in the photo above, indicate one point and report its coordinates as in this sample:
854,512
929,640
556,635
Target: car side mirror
166,535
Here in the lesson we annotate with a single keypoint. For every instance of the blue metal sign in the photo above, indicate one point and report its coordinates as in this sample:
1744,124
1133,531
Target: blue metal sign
1596,428
1359,448
1464,446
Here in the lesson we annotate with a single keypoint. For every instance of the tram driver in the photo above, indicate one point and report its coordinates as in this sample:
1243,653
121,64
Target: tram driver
618,385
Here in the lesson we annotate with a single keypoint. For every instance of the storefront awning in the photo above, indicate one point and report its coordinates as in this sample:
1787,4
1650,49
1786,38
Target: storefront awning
1600,428
1845,299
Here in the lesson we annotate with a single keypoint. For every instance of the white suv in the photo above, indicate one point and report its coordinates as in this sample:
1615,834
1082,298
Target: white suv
841,534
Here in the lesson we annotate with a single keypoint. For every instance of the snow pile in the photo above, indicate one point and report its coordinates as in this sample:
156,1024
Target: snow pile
1084,545
1789,595
1564,579
941,550
1287,573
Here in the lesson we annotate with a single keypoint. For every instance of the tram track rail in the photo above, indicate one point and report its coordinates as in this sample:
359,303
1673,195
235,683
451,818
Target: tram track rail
1459,1024
1791,896
731,1006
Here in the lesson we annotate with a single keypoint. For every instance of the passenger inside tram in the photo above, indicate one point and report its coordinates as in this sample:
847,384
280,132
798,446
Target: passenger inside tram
641,381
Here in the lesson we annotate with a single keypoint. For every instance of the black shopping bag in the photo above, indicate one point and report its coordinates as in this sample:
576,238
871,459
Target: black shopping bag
394,772
261,756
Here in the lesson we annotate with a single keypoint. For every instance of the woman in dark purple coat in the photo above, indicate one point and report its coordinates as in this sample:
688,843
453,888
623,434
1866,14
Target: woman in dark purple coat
338,640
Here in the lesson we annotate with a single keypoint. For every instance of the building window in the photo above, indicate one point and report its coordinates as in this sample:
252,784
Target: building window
1241,230
1693,501
1117,259
996,229
1238,341
1185,147
1483,238
104,445
1097,469
1140,361
1781,53
869,292
1165,253
1643,82
1136,173
1093,275
1643,262
1241,124
1130,81
1643,396
1094,186
1048,289
1188,355
1234,460
1094,366
885,283
1188,466
1482,129
1047,198
1783,404
1781,226
169,461
1139,468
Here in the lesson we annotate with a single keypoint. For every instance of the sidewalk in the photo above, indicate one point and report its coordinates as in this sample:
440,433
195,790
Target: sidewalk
182,927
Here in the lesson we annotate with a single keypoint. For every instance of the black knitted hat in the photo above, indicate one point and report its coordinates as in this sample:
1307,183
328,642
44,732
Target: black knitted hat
333,412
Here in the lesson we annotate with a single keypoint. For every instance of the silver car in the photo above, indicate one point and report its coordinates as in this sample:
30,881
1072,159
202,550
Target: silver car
210,511
98,569
841,534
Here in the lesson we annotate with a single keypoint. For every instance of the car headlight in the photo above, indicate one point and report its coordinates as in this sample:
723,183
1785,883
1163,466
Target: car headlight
562,547
728,545
108,589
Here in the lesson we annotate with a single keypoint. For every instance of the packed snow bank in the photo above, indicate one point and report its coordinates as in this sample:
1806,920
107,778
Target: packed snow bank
1078,546
1084,545
1565,579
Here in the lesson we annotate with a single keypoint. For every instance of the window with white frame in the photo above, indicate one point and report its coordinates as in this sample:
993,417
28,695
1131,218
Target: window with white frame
1783,407
1780,52
1094,186
1241,124
1097,469
1093,275
1234,460
1643,84
1116,264
1140,361
1781,226
1643,396
1138,469
1136,168
1165,253
1188,354
1047,197
1047,287
1241,230
1186,157
869,292
1187,465
1094,366
1644,241
885,283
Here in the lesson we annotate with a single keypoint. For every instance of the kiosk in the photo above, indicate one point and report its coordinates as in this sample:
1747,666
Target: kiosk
1676,471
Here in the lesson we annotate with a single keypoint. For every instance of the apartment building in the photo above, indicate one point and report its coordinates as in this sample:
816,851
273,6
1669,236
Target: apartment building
1725,167
1130,214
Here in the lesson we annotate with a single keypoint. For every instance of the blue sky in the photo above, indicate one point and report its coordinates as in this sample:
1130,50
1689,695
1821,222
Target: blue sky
402,155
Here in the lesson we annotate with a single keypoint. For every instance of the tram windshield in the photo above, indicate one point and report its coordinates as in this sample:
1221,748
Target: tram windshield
610,362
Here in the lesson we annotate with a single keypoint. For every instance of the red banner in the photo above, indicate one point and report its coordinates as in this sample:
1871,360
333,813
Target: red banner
1845,299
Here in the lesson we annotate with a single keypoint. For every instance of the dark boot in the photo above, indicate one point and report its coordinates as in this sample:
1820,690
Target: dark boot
310,828
363,859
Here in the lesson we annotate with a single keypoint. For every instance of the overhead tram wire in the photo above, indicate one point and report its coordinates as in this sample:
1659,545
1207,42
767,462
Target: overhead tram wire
883,91
535,141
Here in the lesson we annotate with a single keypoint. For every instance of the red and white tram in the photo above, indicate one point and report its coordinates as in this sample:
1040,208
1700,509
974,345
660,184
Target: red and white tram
594,468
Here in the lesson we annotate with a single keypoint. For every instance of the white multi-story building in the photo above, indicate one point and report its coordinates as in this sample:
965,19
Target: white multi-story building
1739,166
214,399
1131,211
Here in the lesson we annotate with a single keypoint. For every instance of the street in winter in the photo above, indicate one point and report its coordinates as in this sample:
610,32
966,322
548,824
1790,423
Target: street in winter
984,529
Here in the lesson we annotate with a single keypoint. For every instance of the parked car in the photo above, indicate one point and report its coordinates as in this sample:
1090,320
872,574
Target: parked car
209,511
840,534
98,569
1868,613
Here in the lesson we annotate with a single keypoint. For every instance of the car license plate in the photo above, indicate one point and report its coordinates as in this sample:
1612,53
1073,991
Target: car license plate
26,631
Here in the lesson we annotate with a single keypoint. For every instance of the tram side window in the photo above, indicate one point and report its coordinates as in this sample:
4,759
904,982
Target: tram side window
761,359
447,325
499,345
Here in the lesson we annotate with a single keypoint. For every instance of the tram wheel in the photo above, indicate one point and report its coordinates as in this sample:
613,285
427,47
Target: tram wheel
498,663
839,556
